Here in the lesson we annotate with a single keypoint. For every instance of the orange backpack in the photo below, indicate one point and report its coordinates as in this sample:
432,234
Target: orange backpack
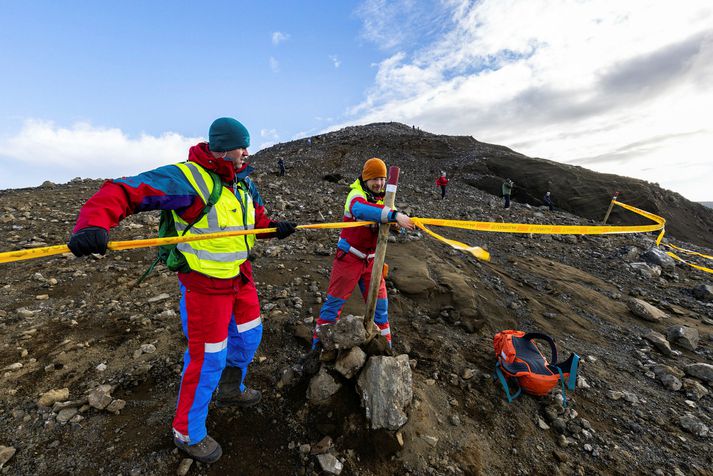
520,359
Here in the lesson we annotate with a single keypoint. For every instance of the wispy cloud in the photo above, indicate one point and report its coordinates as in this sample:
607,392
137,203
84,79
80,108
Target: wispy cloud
335,60
279,37
84,150
269,134
274,64
560,80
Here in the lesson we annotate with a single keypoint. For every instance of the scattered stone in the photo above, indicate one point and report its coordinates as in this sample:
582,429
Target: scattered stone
159,298
100,397
658,340
324,445
6,452
184,467
330,464
346,333
704,292
66,414
14,366
614,394
701,371
148,348
683,336
322,387
645,311
694,389
645,270
48,398
658,257
692,424
349,363
116,406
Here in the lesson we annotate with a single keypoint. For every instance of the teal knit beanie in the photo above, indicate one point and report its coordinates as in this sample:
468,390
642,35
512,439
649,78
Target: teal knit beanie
227,134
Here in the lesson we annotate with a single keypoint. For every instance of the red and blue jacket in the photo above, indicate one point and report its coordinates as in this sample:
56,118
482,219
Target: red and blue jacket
363,206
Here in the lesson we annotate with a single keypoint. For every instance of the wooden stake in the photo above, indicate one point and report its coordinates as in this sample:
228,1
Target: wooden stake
380,253
611,205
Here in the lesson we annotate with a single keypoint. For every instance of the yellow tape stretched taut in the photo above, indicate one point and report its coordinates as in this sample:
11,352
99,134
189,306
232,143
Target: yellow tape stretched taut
494,227
420,222
690,252
678,258
31,253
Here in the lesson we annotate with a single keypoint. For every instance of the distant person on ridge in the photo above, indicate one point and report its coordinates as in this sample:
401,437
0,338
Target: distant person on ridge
355,250
219,306
507,191
281,165
442,181
548,201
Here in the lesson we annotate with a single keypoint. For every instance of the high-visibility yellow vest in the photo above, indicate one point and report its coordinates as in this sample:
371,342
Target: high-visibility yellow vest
219,257
357,191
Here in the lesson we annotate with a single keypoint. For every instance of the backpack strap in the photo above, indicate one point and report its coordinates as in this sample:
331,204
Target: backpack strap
546,338
564,391
212,200
570,366
504,383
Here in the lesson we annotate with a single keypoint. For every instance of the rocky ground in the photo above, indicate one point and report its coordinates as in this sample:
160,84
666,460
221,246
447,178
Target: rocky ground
89,364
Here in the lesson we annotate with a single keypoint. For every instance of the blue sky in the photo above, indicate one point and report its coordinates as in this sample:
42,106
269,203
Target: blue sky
102,89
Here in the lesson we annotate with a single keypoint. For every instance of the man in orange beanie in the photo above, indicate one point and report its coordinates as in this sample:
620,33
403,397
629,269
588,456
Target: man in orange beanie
355,250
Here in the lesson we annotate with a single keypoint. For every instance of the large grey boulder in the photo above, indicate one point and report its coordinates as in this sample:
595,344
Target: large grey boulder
683,336
386,389
658,257
700,371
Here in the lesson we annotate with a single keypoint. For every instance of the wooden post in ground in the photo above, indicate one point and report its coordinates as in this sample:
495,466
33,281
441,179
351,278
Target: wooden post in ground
380,253
611,205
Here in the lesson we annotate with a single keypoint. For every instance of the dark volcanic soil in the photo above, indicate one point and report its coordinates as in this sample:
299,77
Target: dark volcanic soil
78,323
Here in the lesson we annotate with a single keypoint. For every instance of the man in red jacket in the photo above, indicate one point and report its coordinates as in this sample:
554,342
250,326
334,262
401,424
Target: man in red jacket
219,306
355,250
442,181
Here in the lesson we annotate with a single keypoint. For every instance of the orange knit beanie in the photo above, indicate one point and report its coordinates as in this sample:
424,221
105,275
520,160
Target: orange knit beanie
373,168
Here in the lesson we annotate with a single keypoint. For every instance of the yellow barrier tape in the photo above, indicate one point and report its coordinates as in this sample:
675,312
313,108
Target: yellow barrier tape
495,227
476,251
31,253
678,258
690,252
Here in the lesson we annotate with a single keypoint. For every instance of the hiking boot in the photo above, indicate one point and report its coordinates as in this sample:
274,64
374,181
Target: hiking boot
206,451
229,393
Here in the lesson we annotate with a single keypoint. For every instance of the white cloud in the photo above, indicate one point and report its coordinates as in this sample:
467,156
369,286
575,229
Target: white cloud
335,60
42,150
561,80
279,37
274,65
269,134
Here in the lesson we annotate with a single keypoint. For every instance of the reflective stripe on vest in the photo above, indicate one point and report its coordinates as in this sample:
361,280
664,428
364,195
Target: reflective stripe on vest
220,257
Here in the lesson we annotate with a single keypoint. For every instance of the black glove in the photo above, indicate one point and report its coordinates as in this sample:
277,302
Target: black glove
89,240
284,228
